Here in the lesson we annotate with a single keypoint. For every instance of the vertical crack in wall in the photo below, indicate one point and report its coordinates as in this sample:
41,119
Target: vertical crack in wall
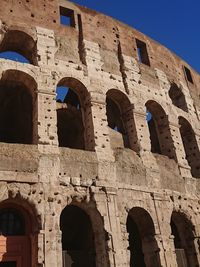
81,46
122,68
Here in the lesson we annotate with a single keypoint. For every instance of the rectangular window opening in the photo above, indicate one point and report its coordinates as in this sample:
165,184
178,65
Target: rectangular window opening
67,17
142,52
188,74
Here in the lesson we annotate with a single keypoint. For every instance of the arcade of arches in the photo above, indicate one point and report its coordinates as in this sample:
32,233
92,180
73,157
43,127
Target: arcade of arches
75,128
82,244
79,240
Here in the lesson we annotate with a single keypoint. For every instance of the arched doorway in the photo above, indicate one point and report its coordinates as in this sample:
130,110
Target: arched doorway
143,247
183,232
18,241
77,238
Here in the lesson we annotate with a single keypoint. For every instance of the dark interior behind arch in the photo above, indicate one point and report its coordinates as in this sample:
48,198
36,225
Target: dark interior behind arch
120,118
159,130
17,108
77,237
177,97
21,43
142,243
70,114
190,146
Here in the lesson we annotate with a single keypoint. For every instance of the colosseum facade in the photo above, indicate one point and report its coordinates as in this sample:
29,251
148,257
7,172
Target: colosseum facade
99,143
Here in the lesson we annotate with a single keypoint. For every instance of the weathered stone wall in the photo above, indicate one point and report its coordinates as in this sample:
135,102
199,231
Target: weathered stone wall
106,180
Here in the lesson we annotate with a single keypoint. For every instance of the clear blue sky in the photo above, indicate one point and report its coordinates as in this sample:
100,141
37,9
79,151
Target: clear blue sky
174,23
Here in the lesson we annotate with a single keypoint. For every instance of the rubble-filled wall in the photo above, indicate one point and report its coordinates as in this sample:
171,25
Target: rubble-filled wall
109,175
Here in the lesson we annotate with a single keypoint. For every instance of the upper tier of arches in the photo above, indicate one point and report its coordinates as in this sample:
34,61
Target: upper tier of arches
75,119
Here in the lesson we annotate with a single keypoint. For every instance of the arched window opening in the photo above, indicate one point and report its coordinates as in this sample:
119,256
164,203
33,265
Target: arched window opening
17,108
14,56
190,146
120,119
115,121
142,244
158,124
68,96
18,237
77,238
72,114
11,223
18,46
177,97
183,232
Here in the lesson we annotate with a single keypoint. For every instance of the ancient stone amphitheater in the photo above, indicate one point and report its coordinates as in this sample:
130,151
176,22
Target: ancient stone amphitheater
100,138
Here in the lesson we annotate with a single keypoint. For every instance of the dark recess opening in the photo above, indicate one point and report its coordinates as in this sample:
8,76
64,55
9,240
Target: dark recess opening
155,145
67,17
119,116
69,119
190,146
177,97
184,236
142,52
188,74
11,223
159,129
144,251
16,109
135,244
8,264
77,237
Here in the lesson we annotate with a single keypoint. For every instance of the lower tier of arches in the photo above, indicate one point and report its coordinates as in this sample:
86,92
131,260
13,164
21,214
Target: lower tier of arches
64,226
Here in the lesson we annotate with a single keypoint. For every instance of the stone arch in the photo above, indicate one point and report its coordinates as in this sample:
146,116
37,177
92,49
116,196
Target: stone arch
160,135
177,97
18,108
74,119
120,119
183,231
21,43
82,218
190,146
144,251
19,228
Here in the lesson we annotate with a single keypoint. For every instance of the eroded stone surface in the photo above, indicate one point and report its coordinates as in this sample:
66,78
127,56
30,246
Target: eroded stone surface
115,175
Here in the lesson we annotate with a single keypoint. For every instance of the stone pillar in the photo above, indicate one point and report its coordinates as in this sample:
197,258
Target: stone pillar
107,205
59,248
101,137
46,46
142,131
100,124
169,250
197,247
52,245
47,116
128,119
88,125
144,144
41,240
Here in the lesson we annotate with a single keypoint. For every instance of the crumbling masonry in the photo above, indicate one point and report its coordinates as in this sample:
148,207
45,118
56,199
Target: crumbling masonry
107,176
